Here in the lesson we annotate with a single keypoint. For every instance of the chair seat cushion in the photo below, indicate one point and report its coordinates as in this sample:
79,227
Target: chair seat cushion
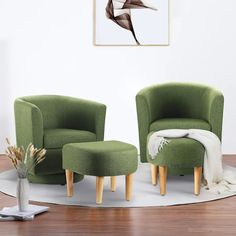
57,138
179,123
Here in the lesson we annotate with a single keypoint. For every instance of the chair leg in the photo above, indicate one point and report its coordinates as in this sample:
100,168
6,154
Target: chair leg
69,182
128,186
113,183
197,179
162,176
99,189
154,174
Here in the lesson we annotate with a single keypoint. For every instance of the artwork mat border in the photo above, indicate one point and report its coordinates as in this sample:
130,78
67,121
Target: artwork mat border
125,45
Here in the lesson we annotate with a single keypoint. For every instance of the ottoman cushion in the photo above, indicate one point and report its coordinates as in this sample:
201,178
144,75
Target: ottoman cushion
180,153
104,158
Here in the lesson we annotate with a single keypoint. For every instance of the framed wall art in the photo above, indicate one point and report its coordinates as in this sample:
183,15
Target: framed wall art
131,22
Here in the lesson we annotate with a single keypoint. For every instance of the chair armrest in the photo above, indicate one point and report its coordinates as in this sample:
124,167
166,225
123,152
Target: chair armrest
215,107
144,120
145,103
87,115
28,124
150,107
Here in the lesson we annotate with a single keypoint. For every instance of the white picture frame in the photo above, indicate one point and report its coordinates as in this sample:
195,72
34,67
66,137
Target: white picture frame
150,23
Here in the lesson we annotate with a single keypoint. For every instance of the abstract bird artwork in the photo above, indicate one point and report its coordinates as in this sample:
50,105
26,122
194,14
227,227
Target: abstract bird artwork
119,11
131,22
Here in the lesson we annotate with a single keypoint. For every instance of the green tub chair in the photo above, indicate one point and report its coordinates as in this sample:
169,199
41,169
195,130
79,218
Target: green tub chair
51,121
178,106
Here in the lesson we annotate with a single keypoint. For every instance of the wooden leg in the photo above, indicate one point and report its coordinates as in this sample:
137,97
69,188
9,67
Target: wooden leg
162,176
69,182
113,183
197,179
154,173
128,186
99,189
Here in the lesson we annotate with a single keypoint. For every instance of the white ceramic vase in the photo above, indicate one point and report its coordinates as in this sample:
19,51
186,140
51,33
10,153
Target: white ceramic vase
22,194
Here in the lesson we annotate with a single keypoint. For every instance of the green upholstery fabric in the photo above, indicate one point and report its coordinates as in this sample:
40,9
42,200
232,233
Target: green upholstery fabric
180,153
181,123
178,105
51,165
52,179
108,158
50,121
56,138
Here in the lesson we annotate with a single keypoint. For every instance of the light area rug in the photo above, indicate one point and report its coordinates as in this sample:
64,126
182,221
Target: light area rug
179,191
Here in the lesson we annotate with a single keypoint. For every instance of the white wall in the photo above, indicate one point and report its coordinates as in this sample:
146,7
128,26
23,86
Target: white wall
46,48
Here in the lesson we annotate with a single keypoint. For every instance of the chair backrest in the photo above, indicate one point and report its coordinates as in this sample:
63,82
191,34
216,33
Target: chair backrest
34,114
178,100
53,109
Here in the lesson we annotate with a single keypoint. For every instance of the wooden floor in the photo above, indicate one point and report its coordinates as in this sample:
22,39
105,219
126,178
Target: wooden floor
212,218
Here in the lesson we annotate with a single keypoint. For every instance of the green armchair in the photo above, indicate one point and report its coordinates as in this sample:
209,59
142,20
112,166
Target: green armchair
51,121
178,106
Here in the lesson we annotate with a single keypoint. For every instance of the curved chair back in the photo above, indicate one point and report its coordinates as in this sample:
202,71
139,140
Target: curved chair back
34,114
177,100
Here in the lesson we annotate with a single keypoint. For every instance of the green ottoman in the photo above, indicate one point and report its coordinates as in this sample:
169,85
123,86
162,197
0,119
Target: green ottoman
184,153
104,158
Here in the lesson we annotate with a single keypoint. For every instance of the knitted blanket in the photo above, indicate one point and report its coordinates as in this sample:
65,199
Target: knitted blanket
219,177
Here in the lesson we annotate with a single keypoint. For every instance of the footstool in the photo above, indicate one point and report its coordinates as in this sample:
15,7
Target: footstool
179,153
104,158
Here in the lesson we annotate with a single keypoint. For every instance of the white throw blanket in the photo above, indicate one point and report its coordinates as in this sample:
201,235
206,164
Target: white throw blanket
219,177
